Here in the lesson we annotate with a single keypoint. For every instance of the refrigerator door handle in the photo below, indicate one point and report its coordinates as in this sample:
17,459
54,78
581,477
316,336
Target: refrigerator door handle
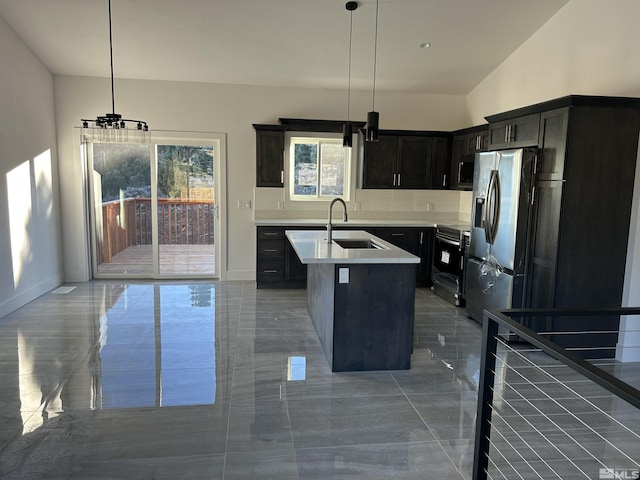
495,207
486,221
492,209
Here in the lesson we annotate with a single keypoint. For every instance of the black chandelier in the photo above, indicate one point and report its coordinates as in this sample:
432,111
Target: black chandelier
111,126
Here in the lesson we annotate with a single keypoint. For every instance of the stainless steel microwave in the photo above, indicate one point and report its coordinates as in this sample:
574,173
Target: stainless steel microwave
465,174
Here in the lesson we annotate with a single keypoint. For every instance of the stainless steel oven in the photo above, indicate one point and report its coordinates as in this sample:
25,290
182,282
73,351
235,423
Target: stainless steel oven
448,263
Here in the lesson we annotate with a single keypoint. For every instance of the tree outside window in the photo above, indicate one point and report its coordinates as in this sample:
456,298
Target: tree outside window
319,167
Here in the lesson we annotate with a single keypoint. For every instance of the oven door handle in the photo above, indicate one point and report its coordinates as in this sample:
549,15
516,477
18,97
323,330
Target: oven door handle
455,243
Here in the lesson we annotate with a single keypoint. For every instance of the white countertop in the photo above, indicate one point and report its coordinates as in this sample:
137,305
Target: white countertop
312,247
338,222
360,222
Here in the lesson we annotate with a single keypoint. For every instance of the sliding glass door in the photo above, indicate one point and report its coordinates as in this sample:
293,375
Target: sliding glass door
121,196
186,209
153,208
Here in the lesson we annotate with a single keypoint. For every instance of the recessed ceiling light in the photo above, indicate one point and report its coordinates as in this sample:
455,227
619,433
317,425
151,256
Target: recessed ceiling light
425,45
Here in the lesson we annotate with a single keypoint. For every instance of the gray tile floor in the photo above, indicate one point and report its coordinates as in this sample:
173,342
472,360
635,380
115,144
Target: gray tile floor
218,380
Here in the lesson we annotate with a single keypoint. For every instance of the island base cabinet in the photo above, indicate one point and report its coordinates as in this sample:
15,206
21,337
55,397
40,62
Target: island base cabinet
363,314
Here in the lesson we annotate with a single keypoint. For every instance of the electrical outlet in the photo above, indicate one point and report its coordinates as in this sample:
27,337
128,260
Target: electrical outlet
343,275
280,205
244,203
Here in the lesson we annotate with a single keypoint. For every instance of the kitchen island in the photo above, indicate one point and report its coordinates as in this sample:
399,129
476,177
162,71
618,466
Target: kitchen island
360,296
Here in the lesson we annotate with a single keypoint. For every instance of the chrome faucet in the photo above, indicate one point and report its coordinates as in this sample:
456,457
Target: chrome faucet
329,225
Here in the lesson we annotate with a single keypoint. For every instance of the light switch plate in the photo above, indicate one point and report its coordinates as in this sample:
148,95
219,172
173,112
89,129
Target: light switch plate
343,275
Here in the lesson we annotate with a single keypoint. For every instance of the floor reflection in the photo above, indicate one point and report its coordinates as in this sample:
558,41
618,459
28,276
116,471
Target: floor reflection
297,369
218,380
158,350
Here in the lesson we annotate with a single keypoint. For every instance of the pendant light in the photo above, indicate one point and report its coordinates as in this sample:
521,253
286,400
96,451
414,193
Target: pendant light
111,127
373,117
347,129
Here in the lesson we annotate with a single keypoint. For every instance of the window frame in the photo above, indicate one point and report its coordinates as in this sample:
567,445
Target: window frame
289,174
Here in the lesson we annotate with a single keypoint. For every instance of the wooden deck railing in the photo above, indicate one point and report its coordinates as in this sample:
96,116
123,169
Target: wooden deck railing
128,223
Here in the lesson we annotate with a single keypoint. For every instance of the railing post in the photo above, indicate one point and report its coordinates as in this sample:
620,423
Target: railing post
485,397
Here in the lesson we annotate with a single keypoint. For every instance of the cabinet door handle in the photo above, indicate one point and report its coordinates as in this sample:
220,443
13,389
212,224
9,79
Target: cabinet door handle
398,180
533,195
270,234
506,134
270,271
478,142
270,250
397,234
281,176
444,180
421,237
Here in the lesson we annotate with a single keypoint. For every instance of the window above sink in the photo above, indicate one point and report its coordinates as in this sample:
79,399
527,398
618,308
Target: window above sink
317,167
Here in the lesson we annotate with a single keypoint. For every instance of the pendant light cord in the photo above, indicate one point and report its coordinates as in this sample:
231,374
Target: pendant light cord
113,95
349,86
375,60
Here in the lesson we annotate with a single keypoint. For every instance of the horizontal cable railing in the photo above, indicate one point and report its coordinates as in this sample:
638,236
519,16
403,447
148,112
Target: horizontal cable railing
551,411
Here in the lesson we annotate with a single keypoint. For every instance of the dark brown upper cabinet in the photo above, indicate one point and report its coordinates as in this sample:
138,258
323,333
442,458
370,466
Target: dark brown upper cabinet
515,132
406,160
269,155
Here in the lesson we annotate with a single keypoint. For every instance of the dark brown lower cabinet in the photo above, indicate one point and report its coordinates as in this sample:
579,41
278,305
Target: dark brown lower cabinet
367,322
278,265
415,240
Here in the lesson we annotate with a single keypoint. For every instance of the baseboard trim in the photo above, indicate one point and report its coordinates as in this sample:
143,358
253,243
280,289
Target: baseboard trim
234,275
21,299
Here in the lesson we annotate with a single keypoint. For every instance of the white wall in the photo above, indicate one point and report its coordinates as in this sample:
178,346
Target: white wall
30,258
589,47
218,108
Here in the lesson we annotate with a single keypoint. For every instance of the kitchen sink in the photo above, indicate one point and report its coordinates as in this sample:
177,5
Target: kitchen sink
358,243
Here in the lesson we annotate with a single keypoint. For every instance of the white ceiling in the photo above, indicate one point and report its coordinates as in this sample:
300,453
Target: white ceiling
295,43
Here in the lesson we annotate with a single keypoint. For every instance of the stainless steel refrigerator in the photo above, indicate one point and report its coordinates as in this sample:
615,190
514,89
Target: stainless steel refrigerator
495,274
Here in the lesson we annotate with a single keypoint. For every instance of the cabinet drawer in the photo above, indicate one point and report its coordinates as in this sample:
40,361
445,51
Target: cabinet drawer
271,249
270,271
392,234
270,233
405,238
